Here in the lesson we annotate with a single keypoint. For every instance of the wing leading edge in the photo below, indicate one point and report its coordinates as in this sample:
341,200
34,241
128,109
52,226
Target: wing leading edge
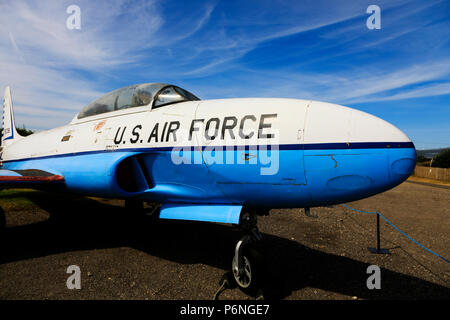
28,178
199,212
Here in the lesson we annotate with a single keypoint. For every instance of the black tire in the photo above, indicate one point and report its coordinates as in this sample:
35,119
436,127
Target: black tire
254,265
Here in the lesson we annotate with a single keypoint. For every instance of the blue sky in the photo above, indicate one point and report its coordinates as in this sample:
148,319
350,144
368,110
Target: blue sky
318,50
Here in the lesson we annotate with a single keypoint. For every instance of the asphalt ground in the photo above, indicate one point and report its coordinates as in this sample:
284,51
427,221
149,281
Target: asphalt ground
123,256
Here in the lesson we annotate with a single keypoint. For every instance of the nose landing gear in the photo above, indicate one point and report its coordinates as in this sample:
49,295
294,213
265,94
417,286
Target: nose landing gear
247,264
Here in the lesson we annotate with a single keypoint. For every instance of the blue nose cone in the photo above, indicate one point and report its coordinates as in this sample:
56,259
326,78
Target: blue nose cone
402,162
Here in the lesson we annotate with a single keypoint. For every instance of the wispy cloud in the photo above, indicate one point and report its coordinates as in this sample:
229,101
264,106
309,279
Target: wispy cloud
364,88
50,66
40,31
344,87
313,50
431,90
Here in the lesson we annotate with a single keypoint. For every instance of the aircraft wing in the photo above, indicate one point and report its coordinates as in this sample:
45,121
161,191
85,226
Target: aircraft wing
30,178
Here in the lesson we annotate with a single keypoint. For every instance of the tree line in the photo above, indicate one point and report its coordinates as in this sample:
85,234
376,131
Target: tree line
441,160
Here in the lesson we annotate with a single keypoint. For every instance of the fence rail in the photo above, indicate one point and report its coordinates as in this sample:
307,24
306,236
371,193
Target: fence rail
442,174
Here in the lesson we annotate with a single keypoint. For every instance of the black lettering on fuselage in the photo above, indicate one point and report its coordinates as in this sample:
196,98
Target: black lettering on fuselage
229,127
117,141
193,128
216,128
163,132
241,127
154,134
135,133
247,129
173,127
263,125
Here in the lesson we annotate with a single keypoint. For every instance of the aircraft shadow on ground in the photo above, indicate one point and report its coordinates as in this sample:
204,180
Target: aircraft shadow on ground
84,224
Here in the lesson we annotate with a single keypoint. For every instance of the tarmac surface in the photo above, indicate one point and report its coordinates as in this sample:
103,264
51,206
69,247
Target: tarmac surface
122,256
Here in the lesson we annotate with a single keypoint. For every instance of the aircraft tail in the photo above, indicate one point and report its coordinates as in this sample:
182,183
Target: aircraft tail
9,134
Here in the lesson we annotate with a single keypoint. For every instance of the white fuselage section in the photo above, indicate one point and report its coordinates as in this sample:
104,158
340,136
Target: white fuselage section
213,123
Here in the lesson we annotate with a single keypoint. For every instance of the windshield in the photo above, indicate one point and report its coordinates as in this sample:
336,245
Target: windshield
124,98
172,94
136,96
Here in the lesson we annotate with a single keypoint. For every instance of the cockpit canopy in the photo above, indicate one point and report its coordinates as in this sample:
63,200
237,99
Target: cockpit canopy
157,94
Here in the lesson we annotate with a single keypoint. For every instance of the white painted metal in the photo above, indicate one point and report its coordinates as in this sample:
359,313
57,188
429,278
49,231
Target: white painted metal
297,121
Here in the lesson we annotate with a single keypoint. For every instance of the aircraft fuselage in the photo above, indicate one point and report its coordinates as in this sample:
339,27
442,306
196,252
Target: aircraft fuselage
256,152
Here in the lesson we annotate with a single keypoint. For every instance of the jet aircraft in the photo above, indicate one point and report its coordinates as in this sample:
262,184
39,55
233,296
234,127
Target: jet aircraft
222,161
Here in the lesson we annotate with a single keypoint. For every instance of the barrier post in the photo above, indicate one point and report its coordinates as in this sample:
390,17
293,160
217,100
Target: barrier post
378,249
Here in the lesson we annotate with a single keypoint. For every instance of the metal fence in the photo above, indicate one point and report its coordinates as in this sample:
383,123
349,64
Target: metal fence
442,174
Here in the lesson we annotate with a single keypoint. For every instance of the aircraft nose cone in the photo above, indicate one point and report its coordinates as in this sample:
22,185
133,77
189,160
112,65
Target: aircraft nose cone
402,162
401,152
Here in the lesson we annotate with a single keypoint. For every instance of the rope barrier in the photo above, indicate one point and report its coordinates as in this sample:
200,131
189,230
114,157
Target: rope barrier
379,214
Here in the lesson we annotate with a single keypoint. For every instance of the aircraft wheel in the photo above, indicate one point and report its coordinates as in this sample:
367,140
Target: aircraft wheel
250,278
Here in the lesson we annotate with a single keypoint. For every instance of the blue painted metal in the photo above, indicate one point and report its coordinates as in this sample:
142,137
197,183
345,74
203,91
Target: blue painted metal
208,213
401,164
256,166
307,146
305,178
181,182
370,171
90,174
8,173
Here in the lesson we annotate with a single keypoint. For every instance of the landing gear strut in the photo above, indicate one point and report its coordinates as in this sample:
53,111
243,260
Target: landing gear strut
247,262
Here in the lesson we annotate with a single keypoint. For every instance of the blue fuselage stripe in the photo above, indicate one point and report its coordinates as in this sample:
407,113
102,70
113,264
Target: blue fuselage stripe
12,127
307,146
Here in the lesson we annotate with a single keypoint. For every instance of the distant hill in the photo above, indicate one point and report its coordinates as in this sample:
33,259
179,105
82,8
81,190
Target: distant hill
429,153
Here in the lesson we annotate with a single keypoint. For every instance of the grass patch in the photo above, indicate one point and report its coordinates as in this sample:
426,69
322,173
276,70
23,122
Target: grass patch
16,199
